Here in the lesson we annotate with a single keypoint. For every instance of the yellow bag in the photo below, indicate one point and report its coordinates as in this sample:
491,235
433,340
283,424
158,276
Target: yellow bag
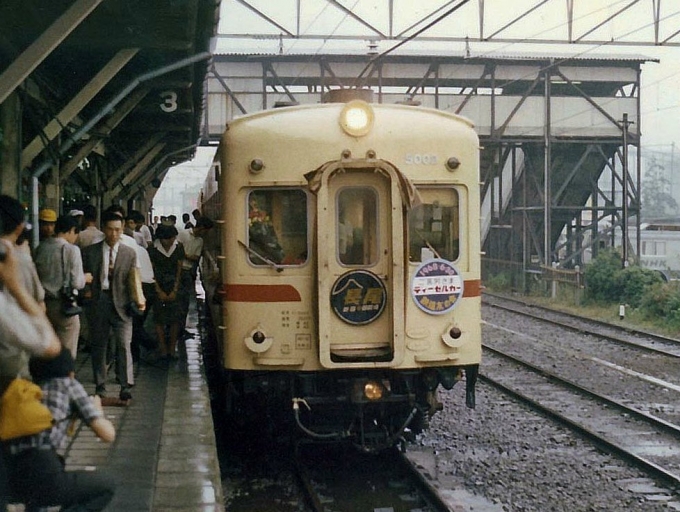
21,411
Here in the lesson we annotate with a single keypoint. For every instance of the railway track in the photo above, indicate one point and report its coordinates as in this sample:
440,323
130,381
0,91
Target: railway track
327,478
649,443
644,340
587,400
335,479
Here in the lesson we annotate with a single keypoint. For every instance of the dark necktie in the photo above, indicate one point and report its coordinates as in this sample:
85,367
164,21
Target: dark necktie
110,274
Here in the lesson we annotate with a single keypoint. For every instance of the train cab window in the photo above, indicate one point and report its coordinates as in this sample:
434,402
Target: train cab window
277,227
434,230
357,226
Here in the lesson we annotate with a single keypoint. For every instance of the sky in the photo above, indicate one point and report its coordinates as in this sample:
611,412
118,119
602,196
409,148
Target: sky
181,186
631,21
660,94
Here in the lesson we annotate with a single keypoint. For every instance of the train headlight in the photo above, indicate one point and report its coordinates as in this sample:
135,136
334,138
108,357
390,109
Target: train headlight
369,390
356,118
373,390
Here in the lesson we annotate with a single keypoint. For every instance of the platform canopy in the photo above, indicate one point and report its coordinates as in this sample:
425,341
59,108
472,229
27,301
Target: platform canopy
110,93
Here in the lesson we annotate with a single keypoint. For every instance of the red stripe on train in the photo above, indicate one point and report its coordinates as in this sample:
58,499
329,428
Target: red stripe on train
287,293
261,293
473,288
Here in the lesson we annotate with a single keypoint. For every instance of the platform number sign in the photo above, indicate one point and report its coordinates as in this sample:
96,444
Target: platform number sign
169,101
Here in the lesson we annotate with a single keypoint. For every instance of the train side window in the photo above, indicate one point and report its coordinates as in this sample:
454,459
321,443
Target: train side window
357,226
434,225
277,226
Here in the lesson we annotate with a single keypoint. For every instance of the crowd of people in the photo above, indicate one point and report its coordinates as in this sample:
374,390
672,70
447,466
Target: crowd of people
85,287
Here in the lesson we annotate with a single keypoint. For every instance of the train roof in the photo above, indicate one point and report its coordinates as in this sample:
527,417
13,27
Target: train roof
381,106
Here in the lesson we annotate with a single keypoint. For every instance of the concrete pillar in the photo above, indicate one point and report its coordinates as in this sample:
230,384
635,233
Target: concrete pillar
10,146
52,190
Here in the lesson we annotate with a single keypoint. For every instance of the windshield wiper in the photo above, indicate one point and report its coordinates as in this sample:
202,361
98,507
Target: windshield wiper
427,243
279,268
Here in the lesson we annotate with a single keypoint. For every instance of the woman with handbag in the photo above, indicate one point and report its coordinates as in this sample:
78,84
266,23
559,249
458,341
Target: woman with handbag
60,267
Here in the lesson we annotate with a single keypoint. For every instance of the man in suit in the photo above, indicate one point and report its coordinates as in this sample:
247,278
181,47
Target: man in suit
115,287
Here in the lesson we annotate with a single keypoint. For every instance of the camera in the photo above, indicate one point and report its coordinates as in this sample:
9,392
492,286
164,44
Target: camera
69,302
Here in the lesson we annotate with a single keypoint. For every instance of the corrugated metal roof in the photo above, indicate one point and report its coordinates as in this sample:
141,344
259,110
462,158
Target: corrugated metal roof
455,54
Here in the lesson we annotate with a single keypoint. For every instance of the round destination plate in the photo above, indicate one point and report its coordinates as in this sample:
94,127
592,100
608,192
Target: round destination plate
358,297
436,286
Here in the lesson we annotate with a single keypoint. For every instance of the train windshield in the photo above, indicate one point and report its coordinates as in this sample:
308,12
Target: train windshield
357,226
277,227
434,226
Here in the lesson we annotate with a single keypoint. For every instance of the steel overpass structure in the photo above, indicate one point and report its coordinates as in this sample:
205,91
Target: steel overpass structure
555,132
557,107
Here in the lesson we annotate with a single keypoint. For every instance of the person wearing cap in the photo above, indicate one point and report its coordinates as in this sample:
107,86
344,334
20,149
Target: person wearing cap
14,225
38,476
60,265
47,218
78,215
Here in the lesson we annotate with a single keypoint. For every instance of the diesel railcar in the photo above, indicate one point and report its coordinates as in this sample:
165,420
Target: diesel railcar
344,278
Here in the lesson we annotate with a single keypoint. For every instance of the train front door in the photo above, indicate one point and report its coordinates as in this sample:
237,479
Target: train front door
360,265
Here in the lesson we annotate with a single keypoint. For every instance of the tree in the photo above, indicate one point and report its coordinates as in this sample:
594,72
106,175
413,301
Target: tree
657,201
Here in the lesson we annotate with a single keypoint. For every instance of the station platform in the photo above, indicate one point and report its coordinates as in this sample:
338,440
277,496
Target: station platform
164,458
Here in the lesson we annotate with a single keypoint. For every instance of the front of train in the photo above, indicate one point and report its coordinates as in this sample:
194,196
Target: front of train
388,290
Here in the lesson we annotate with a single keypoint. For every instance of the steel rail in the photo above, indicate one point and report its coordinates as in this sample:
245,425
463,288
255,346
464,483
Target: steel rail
603,323
603,443
583,330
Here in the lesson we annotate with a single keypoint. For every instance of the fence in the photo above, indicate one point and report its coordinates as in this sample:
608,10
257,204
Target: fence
509,275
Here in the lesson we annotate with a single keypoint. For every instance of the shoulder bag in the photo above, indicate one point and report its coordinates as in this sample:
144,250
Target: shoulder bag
69,295
21,411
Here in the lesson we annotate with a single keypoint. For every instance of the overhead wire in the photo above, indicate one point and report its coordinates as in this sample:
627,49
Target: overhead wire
571,57
488,53
325,41
436,21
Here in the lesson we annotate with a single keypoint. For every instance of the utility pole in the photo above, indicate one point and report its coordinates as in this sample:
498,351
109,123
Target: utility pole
624,221
547,178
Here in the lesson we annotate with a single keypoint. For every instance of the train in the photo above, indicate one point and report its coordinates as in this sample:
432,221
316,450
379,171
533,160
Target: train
343,282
